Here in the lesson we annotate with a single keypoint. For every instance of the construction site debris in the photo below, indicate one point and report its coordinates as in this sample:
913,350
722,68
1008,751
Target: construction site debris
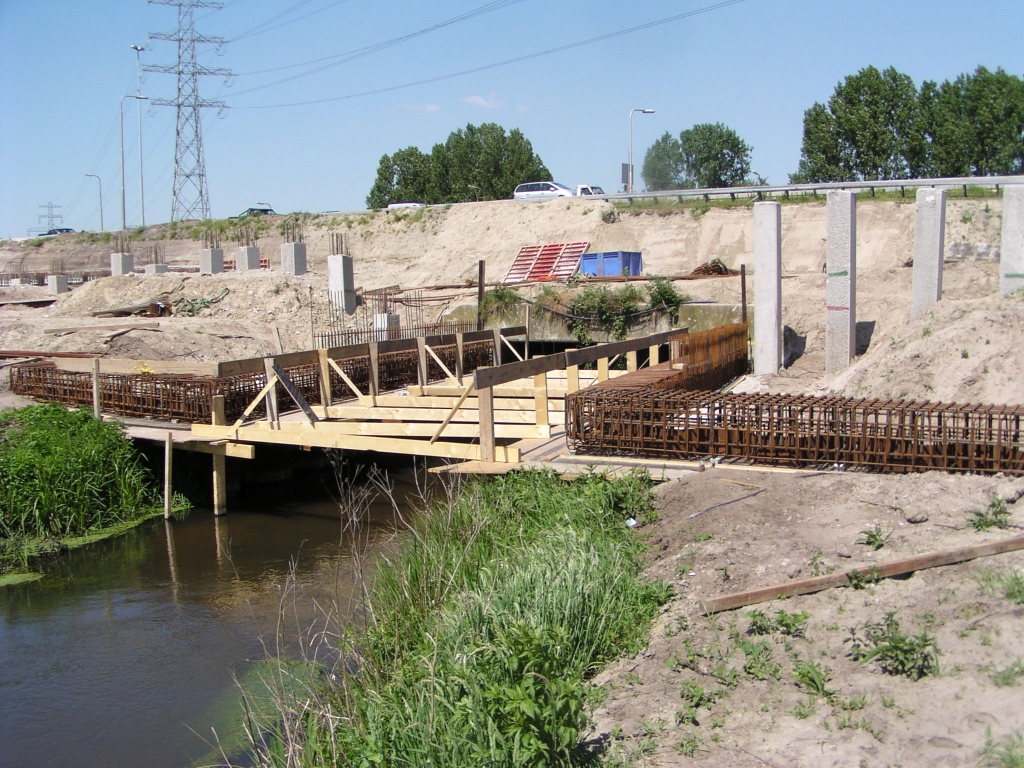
191,307
713,267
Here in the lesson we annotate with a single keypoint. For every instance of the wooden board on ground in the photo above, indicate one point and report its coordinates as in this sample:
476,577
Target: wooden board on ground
108,327
124,366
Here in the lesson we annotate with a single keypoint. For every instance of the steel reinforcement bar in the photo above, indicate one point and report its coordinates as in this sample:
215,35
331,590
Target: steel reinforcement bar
799,431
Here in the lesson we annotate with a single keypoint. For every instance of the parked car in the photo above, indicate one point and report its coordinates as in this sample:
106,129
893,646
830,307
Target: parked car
541,190
258,211
583,190
400,206
57,231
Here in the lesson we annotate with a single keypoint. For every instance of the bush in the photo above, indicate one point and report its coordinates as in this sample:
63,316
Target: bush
896,653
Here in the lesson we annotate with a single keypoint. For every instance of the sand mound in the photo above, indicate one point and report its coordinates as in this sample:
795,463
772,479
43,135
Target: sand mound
959,351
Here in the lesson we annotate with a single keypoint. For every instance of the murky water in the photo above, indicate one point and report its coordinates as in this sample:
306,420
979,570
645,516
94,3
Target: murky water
128,653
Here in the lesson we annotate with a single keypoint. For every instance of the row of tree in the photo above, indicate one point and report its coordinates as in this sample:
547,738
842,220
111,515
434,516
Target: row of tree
477,163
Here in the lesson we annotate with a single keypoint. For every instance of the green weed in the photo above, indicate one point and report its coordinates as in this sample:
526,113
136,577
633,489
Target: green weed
996,515
758,664
874,537
792,624
1008,753
702,536
896,653
806,708
814,678
1005,678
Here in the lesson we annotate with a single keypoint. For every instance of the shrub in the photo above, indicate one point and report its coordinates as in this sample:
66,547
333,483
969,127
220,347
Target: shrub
896,653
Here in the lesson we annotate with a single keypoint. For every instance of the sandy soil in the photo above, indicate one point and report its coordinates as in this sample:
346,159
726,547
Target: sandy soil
799,525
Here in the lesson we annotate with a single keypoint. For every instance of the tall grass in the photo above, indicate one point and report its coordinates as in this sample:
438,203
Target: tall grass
62,473
481,633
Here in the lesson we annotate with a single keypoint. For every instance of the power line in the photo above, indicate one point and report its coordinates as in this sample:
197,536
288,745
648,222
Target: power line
506,62
258,29
376,48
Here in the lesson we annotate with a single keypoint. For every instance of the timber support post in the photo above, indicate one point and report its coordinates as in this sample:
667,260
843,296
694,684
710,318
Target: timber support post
271,401
325,378
421,361
169,475
220,484
374,369
459,347
485,400
96,411
540,399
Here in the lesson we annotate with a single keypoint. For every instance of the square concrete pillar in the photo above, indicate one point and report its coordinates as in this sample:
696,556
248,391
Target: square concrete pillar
17,282
841,283
929,244
121,264
57,283
767,288
1011,258
341,282
247,258
211,261
293,258
155,269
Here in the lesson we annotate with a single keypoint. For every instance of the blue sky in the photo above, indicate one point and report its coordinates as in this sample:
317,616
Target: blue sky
755,66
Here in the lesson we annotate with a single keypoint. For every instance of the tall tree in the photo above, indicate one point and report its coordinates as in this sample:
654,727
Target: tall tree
874,127
976,124
663,164
474,163
713,155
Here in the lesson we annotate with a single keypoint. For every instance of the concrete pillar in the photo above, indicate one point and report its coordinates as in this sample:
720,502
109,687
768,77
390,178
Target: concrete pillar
57,283
293,258
155,269
341,284
1011,258
767,288
841,285
211,261
929,242
17,282
121,264
247,258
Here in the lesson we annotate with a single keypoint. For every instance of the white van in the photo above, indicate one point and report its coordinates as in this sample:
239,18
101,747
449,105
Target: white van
541,190
582,190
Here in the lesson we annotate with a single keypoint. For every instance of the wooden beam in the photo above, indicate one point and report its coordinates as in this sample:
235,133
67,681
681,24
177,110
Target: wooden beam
109,327
294,393
436,415
345,378
221,448
596,352
96,410
451,413
486,414
168,475
421,361
256,401
500,401
602,369
314,435
117,365
897,568
631,358
573,379
460,351
438,360
325,377
540,399
485,378
654,355
427,429
271,397
220,474
374,354
514,350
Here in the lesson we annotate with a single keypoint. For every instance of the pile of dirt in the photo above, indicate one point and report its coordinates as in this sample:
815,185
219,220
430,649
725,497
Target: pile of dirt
752,710
958,351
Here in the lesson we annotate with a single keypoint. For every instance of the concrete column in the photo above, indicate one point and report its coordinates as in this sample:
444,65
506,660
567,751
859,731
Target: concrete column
341,284
841,285
155,269
293,258
121,264
929,242
247,258
1011,258
57,283
211,261
767,288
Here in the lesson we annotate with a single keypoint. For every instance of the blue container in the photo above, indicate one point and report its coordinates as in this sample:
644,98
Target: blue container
612,264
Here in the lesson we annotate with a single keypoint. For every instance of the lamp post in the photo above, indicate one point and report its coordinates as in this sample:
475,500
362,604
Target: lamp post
138,95
629,187
100,182
121,123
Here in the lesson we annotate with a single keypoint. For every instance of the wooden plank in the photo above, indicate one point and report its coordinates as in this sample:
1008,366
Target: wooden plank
896,568
573,379
540,399
107,327
374,354
451,414
438,360
234,450
168,475
486,414
255,364
505,391
514,350
421,361
631,358
500,401
220,474
325,377
322,439
271,398
294,393
485,378
346,379
96,409
425,429
592,354
437,415
122,366
602,369
256,401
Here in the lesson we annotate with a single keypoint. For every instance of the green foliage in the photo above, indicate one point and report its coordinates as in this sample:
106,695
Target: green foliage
880,125
758,663
609,216
792,624
475,163
62,473
706,155
874,537
1008,753
896,653
995,516
488,621
498,302
1004,678
1013,588
609,310
663,295
814,678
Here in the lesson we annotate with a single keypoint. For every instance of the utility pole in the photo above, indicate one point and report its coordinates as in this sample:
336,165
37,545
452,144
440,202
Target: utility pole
138,96
100,182
191,197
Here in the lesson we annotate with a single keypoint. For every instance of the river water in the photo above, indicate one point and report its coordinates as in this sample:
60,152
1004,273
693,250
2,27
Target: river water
129,651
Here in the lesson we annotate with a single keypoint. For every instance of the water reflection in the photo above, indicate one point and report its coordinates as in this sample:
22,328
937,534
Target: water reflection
124,654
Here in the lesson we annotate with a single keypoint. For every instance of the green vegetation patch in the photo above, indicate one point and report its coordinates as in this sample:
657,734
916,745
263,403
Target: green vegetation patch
483,630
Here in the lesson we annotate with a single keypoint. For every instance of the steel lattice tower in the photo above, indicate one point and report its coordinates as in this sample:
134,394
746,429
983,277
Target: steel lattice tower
191,196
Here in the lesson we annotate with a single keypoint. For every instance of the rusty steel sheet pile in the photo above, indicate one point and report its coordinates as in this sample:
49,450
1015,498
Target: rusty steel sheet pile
799,431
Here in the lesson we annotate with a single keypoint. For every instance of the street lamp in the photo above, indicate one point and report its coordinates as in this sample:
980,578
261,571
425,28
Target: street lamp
629,188
100,182
121,123
138,95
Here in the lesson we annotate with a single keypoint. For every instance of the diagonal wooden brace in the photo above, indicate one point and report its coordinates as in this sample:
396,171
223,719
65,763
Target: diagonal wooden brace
293,393
437,359
252,406
344,378
451,414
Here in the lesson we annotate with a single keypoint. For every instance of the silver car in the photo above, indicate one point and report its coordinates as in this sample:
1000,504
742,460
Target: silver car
541,190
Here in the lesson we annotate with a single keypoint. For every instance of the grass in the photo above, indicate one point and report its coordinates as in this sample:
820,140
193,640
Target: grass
482,632
1008,753
913,656
499,302
1006,678
792,624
